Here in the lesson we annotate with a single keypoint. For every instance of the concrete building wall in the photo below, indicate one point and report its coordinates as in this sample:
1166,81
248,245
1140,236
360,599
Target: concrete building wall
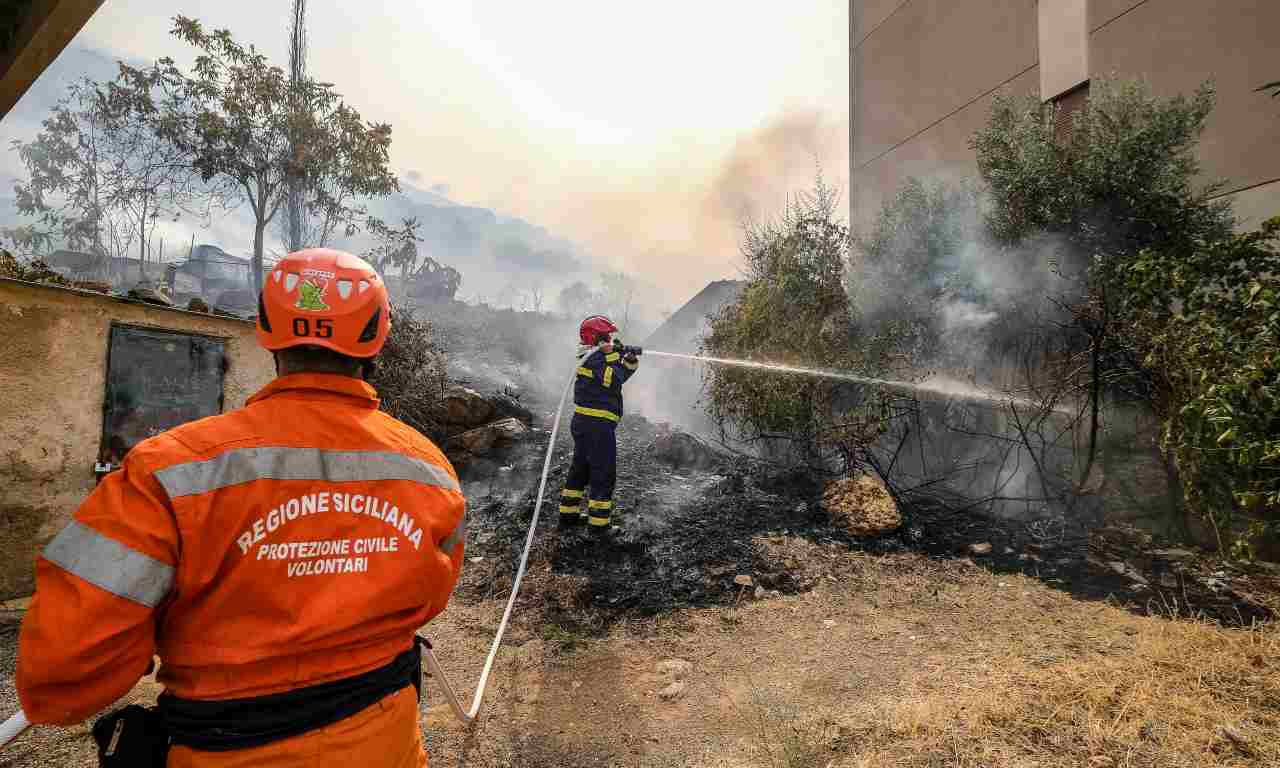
923,72
53,365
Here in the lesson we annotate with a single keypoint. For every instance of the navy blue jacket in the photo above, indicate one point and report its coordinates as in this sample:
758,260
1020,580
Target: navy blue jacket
598,390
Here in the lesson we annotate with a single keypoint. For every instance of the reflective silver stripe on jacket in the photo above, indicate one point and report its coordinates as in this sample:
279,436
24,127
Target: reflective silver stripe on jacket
105,562
244,465
458,535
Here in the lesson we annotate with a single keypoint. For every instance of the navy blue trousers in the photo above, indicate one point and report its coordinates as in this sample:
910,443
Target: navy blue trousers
595,464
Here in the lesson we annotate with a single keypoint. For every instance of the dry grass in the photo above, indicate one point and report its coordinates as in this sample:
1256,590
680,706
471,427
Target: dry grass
1186,694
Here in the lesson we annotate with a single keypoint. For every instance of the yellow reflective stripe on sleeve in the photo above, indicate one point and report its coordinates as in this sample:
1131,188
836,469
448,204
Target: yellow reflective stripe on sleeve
599,413
594,504
612,357
585,372
608,376
598,521
570,494
630,366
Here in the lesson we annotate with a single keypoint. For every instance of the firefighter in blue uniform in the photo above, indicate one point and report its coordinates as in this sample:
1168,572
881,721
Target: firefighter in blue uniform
597,400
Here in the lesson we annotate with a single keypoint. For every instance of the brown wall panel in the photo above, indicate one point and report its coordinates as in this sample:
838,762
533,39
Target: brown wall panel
1103,11
931,58
874,12
1178,44
942,152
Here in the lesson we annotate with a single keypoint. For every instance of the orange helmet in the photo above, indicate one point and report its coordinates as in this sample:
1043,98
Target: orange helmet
324,298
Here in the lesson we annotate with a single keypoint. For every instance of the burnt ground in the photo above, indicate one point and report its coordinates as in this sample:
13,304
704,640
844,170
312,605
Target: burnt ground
686,533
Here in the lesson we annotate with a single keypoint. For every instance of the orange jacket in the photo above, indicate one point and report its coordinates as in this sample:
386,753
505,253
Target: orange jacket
301,539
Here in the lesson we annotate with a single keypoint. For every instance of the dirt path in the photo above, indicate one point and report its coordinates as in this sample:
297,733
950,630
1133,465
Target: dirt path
896,660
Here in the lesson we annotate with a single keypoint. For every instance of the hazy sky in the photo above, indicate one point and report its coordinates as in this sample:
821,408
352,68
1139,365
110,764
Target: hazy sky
638,130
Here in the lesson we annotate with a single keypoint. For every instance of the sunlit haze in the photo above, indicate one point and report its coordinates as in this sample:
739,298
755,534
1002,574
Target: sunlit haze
639,132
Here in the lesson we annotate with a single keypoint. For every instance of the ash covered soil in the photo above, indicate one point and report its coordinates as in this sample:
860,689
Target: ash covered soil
684,535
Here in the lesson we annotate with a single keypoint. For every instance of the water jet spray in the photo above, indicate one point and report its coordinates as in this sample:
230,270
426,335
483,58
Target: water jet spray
935,386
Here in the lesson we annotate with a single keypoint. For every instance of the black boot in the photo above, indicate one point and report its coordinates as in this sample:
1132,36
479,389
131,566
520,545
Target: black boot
570,520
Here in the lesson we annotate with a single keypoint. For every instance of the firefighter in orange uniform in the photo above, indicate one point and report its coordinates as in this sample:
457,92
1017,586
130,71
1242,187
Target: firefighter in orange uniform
279,558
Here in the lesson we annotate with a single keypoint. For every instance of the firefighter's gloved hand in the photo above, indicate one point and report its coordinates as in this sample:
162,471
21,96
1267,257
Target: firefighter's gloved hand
631,358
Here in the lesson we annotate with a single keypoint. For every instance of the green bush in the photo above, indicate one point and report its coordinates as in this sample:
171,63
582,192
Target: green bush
410,374
1162,305
1211,322
793,311
1126,179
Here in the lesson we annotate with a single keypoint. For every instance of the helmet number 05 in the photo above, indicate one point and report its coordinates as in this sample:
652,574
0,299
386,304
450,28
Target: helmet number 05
323,327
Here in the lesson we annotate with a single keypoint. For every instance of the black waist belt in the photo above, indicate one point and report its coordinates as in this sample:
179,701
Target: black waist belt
229,724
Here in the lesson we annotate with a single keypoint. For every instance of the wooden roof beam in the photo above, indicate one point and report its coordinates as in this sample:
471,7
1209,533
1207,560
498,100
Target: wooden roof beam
47,29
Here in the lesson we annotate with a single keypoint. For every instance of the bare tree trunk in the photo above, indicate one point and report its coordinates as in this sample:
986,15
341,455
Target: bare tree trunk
142,240
258,230
295,204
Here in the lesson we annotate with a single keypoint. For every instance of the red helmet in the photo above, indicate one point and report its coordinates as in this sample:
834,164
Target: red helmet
594,327
324,298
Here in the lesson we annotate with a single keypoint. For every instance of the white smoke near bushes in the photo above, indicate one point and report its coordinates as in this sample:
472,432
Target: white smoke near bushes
998,312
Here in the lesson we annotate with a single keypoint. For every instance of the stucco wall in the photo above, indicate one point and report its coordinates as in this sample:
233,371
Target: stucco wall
922,73
53,364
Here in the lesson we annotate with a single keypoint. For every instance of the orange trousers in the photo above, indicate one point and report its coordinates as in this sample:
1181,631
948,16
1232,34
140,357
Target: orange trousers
384,735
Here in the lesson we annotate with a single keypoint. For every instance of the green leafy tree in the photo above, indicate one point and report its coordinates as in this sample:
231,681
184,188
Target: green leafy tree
99,175
793,311
1167,308
247,125
65,193
1127,180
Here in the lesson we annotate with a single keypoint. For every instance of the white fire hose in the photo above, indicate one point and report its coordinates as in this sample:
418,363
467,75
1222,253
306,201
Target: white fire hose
468,716
14,727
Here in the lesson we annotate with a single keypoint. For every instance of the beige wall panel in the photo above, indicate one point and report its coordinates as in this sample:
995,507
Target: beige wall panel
51,404
932,57
1104,11
1254,206
1064,46
940,153
1177,44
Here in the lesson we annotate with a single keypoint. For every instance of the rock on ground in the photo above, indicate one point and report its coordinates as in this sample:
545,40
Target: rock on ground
682,450
862,506
508,407
466,408
481,441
